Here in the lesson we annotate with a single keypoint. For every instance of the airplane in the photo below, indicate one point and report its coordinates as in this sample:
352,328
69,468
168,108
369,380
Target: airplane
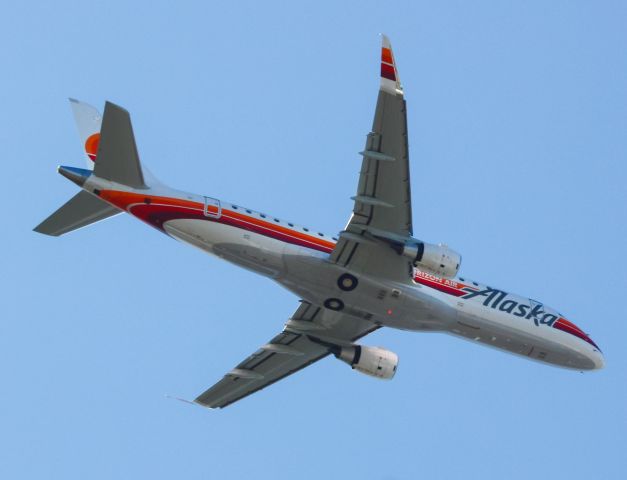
374,274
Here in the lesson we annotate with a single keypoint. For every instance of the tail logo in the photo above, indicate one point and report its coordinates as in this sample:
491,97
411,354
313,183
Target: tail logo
91,146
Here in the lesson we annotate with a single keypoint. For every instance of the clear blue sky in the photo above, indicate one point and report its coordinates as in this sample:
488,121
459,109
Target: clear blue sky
518,122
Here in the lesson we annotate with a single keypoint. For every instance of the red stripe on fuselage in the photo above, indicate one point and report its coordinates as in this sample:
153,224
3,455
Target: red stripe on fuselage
439,286
156,211
569,327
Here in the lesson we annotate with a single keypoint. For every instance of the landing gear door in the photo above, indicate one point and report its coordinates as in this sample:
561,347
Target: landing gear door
213,209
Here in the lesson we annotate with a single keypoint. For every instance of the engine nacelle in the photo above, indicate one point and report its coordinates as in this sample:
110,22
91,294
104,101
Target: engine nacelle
437,259
375,361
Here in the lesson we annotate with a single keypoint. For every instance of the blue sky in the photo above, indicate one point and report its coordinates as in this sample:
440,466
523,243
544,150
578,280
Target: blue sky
517,116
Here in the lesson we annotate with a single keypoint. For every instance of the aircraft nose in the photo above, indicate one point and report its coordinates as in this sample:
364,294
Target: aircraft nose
594,360
598,359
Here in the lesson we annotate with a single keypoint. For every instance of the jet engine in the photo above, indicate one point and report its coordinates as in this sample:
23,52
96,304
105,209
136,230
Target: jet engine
436,259
374,361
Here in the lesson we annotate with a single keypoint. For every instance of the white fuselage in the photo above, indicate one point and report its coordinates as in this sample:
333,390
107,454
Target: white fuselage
408,306
298,259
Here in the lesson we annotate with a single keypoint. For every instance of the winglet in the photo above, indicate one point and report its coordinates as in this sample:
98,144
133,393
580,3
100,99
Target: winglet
390,81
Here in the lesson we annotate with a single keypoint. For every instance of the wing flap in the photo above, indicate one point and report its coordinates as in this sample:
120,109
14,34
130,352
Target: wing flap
382,207
268,367
383,197
288,352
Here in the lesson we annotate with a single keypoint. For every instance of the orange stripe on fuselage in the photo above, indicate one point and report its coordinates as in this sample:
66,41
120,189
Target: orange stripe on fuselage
279,229
126,201
571,325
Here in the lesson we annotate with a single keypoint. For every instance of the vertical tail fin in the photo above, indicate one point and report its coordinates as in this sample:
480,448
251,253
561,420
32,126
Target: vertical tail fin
111,150
117,157
110,137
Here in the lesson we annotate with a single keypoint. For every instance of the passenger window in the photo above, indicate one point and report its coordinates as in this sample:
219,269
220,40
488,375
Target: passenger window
248,211
321,234
234,207
306,229
277,220
262,215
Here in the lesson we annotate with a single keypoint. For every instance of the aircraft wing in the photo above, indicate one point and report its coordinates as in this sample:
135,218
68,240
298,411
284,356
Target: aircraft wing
306,338
382,206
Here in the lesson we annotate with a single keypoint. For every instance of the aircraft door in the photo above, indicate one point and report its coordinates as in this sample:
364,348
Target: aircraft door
213,208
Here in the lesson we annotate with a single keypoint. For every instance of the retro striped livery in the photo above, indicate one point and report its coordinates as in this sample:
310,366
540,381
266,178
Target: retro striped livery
373,274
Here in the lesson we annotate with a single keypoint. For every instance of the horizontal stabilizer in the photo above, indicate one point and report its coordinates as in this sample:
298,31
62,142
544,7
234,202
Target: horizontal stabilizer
117,158
81,210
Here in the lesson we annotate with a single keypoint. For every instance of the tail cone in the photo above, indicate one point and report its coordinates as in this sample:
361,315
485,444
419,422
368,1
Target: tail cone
77,175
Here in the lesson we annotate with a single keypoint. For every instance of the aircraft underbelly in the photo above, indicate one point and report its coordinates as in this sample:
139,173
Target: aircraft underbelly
536,343
249,250
310,275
